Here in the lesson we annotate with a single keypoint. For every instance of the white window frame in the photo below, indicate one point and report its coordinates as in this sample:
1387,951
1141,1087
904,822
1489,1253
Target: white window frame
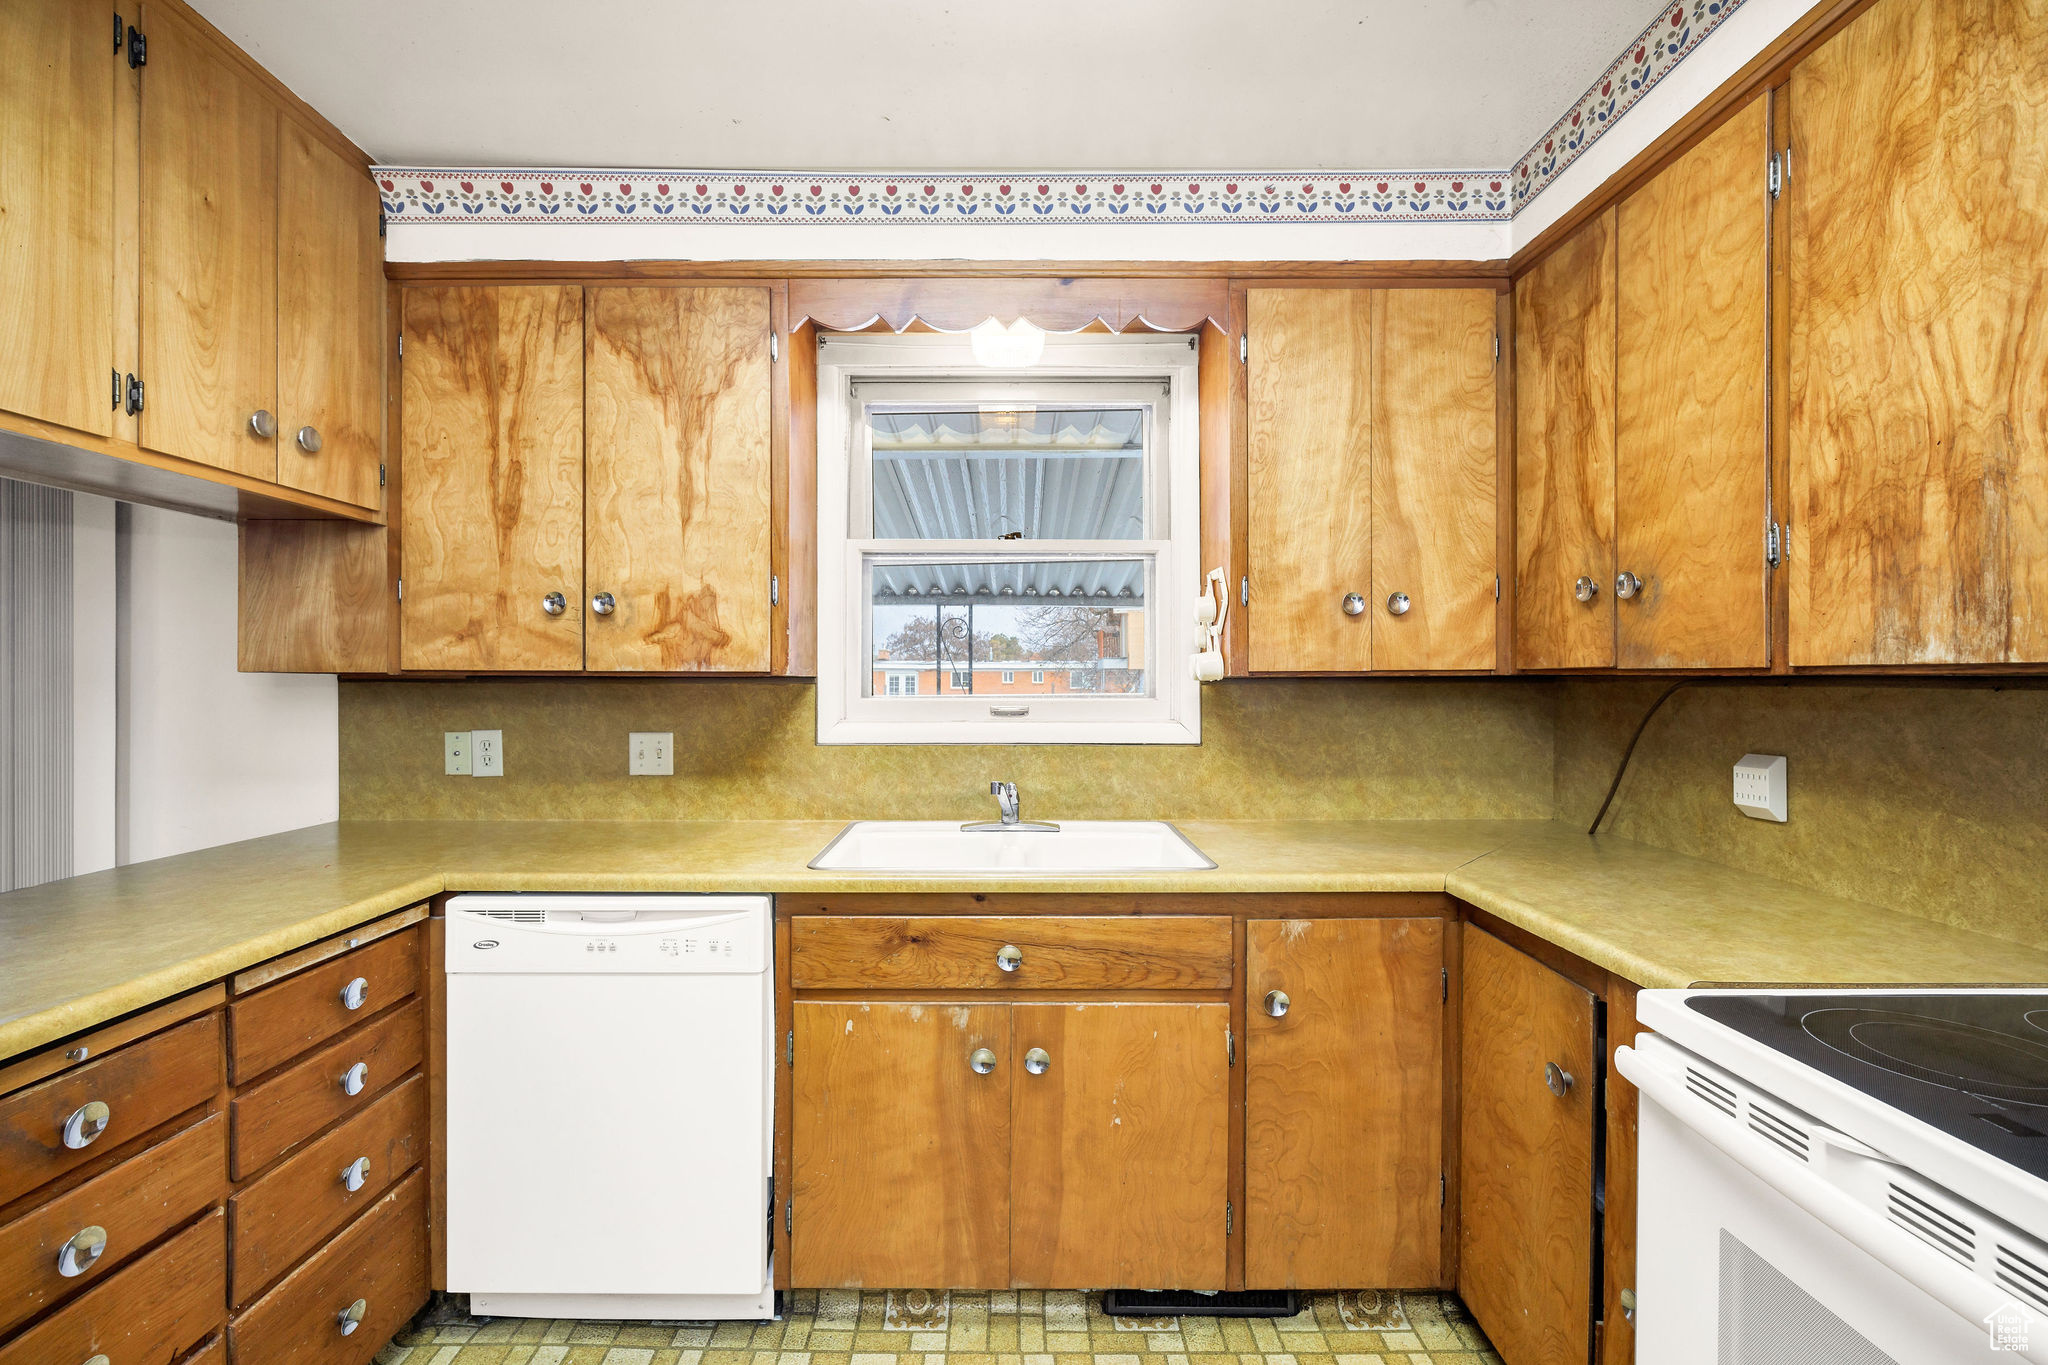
846,713
1037,676
1009,677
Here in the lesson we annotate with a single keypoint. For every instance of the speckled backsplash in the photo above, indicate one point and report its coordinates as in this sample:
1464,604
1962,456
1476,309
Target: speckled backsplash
1272,749
1931,799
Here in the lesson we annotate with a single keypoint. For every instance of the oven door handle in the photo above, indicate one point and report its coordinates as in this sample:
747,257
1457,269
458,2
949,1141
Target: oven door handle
1907,1256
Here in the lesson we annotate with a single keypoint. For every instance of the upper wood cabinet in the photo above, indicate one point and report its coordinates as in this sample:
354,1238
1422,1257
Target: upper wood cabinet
209,253
1919,363
1691,483
1564,454
493,479
1343,1102
1371,476
676,497
57,356
330,319
1529,1079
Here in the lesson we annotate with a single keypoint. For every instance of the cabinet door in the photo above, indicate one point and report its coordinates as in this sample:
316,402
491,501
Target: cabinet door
209,253
330,320
1435,466
57,213
899,1149
1525,1165
1691,463
676,504
1120,1145
1564,454
1919,365
1343,1099
493,491
1308,410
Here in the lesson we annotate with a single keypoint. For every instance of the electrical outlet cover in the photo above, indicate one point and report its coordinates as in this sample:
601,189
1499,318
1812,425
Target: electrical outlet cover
651,753
455,753
487,752
1760,786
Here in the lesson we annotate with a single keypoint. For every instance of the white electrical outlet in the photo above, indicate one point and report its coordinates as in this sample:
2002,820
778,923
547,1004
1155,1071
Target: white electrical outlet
487,752
455,753
1760,786
651,753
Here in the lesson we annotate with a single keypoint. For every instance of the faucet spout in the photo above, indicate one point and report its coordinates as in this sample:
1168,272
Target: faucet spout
1005,794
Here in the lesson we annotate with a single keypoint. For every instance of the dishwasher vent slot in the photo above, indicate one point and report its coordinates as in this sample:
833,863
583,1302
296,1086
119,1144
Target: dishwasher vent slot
1710,1090
2023,1276
517,914
1778,1129
1933,1225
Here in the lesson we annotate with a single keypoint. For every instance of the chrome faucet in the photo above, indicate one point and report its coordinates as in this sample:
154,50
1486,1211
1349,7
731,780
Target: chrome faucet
1005,794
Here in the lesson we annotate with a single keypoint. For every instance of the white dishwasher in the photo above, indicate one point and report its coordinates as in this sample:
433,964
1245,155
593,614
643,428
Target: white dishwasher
609,1105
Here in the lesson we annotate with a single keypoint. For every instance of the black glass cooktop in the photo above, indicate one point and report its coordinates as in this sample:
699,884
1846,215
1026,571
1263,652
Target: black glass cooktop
1972,1063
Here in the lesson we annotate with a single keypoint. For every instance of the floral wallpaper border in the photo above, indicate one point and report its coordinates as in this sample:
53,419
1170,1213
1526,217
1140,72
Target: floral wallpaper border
428,195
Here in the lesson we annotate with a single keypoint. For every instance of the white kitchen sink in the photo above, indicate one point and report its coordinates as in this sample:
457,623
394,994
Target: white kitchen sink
1077,846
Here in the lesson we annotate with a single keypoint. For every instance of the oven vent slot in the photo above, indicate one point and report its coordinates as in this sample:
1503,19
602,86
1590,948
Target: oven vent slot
1710,1090
1935,1226
517,914
2024,1276
1778,1129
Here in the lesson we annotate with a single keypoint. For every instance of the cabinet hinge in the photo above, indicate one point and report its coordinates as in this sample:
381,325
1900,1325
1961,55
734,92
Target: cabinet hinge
1496,587
1244,348
401,589
382,221
138,47
1774,176
401,345
134,396
774,348
1439,1189
1772,545
774,590
789,1048
1244,591
117,389
1496,348
1227,1217
380,476
1446,983
1230,1046
789,1218
120,31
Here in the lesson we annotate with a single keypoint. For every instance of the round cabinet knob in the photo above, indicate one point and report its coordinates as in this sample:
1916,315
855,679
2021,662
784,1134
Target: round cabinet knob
78,1054
604,604
1397,604
1628,1304
355,1078
1556,1079
1038,1061
354,994
77,1256
309,440
1276,1004
356,1174
1354,603
86,1123
1627,585
982,1060
1009,957
351,1317
262,425
1585,589
554,604
98,1360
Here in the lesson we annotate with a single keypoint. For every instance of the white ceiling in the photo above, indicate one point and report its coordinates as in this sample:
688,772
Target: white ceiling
939,84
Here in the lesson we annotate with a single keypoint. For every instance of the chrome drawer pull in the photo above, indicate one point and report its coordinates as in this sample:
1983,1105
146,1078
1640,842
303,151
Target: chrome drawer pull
86,1123
1556,1079
1277,1003
1037,1061
79,1254
354,994
352,1316
981,1061
355,1078
356,1174
98,1360
1009,957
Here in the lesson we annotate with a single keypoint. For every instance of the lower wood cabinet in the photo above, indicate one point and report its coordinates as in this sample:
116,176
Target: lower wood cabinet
153,1312
1344,1028
1530,1094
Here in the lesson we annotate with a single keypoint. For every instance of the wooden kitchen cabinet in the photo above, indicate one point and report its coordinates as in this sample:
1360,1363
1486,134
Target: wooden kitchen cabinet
1119,1145
1343,1103
1371,472
1691,483
1564,454
1529,1080
209,252
676,492
493,478
57,265
1918,440
900,1148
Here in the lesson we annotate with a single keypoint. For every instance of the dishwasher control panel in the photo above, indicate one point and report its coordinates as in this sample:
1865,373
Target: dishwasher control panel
539,933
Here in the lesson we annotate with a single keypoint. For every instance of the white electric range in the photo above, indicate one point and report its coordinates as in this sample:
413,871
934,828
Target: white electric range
1842,1177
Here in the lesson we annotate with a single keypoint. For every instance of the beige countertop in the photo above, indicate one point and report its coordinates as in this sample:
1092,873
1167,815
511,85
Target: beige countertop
78,952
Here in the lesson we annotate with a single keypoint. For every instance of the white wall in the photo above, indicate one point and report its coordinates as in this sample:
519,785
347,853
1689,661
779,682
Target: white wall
95,707
208,755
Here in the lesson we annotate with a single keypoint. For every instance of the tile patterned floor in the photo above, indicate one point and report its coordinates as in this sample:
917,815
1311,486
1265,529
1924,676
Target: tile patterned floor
1022,1327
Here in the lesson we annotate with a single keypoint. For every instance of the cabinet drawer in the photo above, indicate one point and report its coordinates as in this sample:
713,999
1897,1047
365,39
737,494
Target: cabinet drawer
281,1021
381,1259
291,1210
1054,952
150,1313
133,1204
141,1086
272,1118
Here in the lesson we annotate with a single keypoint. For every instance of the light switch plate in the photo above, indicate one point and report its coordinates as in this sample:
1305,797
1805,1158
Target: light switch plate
487,752
455,753
1760,786
651,753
